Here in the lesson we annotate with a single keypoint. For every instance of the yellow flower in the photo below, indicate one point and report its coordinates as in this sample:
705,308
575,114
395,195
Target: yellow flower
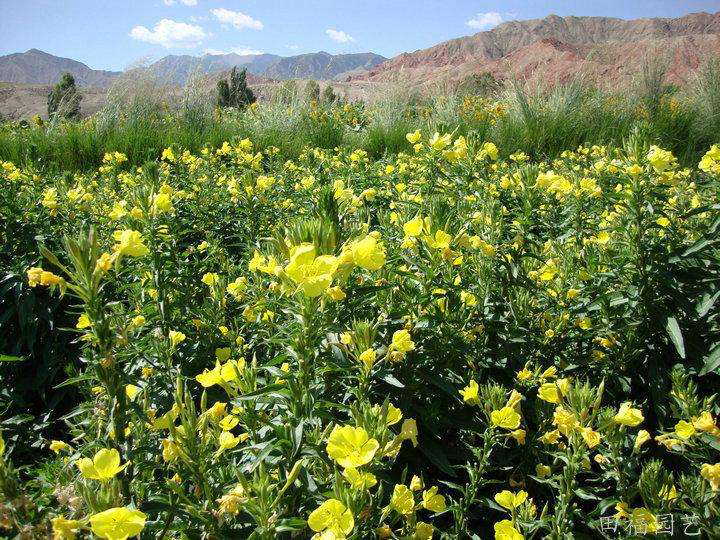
470,393
64,529
333,516
226,441
504,530
628,416
130,242
358,480
351,446
161,203
402,500
643,436
508,499
684,429
432,501
542,470
505,418
210,279
118,523
414,137
591,438
104,262
336,293
423,531
34,274
231,501
711,473
524,374
519,435
401,341
438,142
131,390
104,466
705,422
549,392
83,322
312,274
58,446
644,520
565,421
368,358
176,337
416,483
408,431
660,159
413,227
368,253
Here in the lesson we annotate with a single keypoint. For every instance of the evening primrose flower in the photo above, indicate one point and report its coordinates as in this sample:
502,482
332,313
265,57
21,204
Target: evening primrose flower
628,416
118,523
130,242
684,429
542,470
413,227
351,446
401,341
565,421
591,437
104,466
504,530
176,337
506,418
367,357
643,436
358,480
332,516
711,473
227,441
312,274
508,499
210,279
470,393
402,500
65,529
58,446
432,501
549,392
414,137
368,253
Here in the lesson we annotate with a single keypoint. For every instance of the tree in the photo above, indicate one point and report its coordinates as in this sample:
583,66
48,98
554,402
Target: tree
235,93
312,91
328,95
64,99
223,93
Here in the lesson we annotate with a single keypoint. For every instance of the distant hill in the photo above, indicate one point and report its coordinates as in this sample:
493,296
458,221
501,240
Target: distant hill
38,67
554,49
320,65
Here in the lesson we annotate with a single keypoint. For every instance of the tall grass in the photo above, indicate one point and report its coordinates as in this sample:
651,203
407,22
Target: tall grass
143,116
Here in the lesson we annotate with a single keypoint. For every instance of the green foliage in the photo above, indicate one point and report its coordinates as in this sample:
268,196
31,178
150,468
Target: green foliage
235,92
64,99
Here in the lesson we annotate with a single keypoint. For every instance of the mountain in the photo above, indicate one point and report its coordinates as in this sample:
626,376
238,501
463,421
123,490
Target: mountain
554,49
319,65
38,67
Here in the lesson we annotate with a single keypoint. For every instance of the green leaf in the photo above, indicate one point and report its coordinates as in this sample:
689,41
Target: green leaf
712,361
260,392
673,329
8,358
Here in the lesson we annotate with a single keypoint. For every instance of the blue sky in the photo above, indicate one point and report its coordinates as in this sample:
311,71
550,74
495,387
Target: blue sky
112,34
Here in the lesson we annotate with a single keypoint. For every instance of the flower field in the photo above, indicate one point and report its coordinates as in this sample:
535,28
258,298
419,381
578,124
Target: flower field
441,343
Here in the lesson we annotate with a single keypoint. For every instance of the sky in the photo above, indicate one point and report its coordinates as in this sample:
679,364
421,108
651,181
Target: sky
115,34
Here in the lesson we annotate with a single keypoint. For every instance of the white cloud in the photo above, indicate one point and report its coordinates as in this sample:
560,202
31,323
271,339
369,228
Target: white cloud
339,36
185,2
170,34
242,51
237,19
485,21
293,47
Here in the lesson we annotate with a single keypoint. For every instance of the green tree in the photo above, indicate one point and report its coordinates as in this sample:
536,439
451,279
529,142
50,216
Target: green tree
328,95
64,99
312,91
235,92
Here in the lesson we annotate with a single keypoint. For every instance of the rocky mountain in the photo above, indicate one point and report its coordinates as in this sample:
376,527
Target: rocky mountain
554,49
38,67
320,65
